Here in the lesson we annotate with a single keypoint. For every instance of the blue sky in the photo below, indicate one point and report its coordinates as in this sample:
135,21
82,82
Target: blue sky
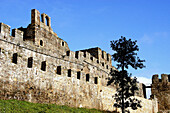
90,23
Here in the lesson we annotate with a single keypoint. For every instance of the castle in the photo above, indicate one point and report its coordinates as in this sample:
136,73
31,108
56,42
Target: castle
38,66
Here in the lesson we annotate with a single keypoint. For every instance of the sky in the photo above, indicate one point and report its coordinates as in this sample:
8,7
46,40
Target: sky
94,23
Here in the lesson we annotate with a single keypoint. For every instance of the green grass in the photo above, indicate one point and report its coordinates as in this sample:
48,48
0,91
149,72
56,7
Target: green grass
15,106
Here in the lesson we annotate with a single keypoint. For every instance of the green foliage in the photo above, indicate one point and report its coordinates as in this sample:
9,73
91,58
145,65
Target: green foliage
16,106
125,55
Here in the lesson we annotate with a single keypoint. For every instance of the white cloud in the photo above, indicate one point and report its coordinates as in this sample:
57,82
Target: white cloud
144,80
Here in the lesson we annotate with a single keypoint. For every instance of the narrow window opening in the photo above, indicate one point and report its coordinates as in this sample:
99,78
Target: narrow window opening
69,73
43,66
169,78
41,18
84,54
87,77
59,70
103,64
76,54
111,69
14,58
62,43
30,62
102,54
47,21
95,80
41,42
107,67
0,50
97,61
107,57
68,53
91,58
78,75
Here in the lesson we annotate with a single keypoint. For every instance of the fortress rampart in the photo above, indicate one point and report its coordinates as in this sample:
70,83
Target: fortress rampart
161,89
38,66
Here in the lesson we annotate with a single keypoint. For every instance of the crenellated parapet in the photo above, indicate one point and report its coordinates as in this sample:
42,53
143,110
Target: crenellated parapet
161,89
165,79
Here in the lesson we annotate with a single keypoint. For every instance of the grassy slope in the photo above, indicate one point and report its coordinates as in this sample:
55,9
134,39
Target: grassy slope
15,106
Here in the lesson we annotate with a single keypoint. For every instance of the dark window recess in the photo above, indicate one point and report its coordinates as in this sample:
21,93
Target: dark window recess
69,73
95,80
47,21
59,70
111,69
0,50
102,54
160,80
41,42
102,64
77,54
97,61
107,66
43,66
84,54
14,58
91,58
87,77
107,57
169,78
30,62
68,53
78,75
62,43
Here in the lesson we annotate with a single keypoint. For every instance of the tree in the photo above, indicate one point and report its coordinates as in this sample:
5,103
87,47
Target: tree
125,55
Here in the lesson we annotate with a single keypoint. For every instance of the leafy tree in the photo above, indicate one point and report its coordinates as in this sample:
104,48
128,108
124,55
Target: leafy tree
125,55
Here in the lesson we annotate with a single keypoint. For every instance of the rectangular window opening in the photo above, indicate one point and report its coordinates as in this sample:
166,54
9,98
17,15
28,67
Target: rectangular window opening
102,54
69,73
85,54
59,70
169,78
78,75
30,62
107,67
62,43
97,61
96,80
43,65
76,54
68,53
14,58
107,57
87,77
91,58
103,64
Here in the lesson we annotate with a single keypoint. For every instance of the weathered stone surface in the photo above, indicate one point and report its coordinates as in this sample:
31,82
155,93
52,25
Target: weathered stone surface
161,89
38,66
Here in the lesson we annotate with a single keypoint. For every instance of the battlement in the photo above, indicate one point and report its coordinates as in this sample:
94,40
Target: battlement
165,79
99,54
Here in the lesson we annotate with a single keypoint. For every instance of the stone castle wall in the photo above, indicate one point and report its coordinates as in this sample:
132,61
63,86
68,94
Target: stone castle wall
161,89
38,66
